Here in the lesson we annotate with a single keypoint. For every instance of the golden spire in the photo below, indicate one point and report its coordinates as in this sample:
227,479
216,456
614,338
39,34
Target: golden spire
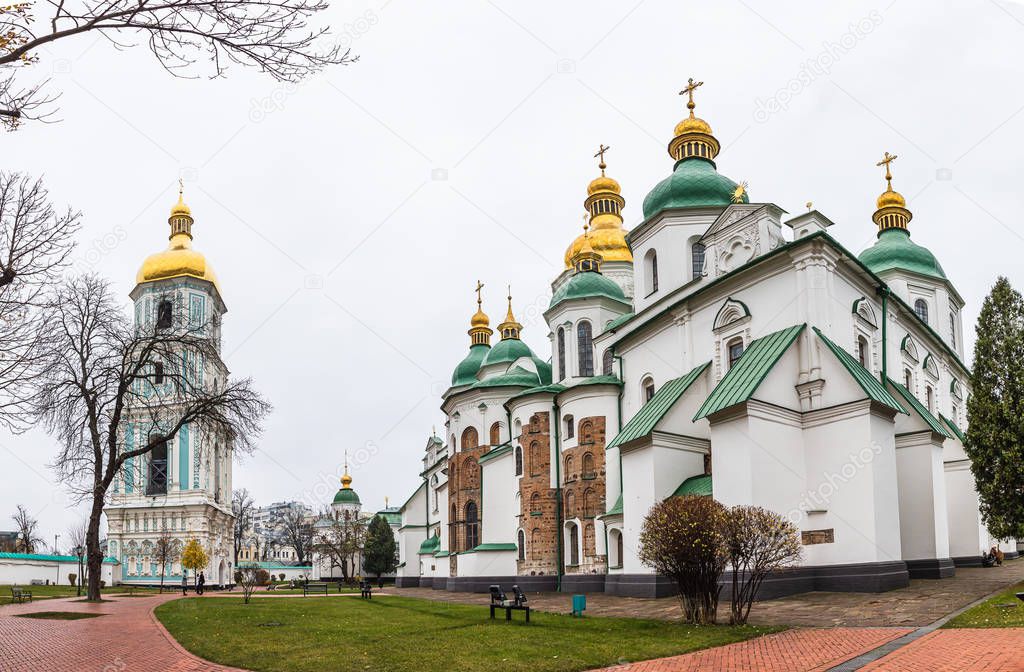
480,325
346,480
181,215
693,136
604,204
179,259
509,328
892,212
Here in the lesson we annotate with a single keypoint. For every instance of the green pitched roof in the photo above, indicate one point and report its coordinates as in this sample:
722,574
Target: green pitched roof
749,371
871,385
507,350
694,183
616,509
695,485
429,545
586,285
618,322
956,430
465,372
919,408
554,388
516,376
496,547
392,515
654,410
895,250
503,449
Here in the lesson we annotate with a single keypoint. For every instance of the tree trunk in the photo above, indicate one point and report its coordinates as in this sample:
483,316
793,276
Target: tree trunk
94,557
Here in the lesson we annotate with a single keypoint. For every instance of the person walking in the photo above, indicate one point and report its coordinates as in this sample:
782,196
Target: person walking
184,582
202,582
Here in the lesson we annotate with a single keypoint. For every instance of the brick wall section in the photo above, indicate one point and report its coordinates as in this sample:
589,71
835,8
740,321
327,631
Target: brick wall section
538,507
577,482
463,487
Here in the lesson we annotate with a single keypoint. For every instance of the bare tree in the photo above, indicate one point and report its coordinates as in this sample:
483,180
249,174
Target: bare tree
241,509
340,541
27,525
165,552
249,578
296,531
99,372
35,242
271,35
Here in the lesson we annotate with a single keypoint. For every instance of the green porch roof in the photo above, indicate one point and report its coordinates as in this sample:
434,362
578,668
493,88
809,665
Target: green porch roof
919,408
429,545
616,509
695,485
618,322
654,410
871,385
503,449
956,430
750,370
495,547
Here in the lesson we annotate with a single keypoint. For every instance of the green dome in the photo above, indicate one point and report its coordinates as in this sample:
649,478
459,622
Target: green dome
517,376
895,250
346,496
586,285
507,350
694,183
465,372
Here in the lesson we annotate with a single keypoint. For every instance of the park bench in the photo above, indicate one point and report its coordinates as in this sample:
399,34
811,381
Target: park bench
314,588
365,590
499,601
19,595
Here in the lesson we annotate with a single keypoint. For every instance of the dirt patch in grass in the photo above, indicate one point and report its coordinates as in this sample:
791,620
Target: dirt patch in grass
59,615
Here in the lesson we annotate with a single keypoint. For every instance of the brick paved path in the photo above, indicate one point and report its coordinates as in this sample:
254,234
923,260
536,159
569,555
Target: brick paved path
127,638
958,650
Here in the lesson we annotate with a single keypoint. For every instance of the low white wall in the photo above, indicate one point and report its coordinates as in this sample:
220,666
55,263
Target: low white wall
23,572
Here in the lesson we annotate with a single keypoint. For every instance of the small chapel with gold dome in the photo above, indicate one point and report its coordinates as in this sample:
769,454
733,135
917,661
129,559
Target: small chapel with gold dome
182,487
718,347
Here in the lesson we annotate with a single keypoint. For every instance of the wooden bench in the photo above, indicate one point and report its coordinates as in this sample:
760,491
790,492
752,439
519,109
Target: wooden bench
365,590
499,601
19,595
314,588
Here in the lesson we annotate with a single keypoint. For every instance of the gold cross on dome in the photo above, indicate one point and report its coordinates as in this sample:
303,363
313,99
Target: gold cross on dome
688,90
885,162
181,186
479,286
600,154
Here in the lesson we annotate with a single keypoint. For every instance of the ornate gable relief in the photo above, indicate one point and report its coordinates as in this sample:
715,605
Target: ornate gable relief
863,310
737,251
930,367
909,347
731,314
956,390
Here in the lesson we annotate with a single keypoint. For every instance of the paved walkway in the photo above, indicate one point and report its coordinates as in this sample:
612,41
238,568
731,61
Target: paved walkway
126,638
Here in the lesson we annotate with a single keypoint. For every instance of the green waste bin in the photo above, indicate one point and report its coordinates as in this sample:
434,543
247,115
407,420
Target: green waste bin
579,603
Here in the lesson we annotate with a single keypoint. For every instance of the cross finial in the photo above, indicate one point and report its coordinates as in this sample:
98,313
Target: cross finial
479,286
688,90
586,221
888,172
600,154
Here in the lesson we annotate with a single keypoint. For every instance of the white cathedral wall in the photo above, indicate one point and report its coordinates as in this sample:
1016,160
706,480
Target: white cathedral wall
500,506
967,536
922,496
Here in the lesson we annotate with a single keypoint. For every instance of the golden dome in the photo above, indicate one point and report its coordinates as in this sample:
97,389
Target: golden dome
480,319
479,325
692,136
892,212
604,205
346,480
693,124
179,259
609,243
603,183
890,197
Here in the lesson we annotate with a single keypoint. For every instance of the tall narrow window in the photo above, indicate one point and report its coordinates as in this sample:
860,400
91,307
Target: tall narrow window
589,504
606,362
158,373
561,353
536,460
952,329
735,351
574,545
618,547
921,308
586,432
570,427
470,439
697,260
862,351
588,466
519,460
164,315
521,544
570,505
157,468
535,503
585,346
648,389
929,396
495,433
908,380
472,527
651,271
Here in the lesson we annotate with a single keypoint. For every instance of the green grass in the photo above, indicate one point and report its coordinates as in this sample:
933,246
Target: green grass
50,592
391,634
59,615
989,614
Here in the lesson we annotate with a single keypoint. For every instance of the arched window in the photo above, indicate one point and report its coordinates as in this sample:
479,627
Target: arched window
495,433
534,541
908,379
570,505
586,432
574,544
561,353
157,484
535,503
519,460
567,464
589,547
589,503
164,315
697,260
536,459
735,350
585,348
618,547
921,308
606,362
521,543
518,425
470,473
470,439
588,466
472,527
570,427
647,389
929,396
862,351
651,272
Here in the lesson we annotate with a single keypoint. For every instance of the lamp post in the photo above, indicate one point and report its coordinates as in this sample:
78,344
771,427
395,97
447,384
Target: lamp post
55,537
78,551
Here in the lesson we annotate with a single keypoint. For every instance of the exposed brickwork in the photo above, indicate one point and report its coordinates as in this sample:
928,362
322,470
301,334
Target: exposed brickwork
538,514
583,491
959,650
464,478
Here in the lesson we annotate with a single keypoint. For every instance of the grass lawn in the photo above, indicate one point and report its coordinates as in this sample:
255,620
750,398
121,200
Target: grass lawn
989,614
390,634
50,592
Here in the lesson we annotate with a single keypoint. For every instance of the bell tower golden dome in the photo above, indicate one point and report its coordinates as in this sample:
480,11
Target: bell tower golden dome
892,212
509,328
693,135
179,259
480,325
604,204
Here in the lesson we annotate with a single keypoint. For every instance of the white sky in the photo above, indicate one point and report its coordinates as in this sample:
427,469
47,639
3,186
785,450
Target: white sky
459,147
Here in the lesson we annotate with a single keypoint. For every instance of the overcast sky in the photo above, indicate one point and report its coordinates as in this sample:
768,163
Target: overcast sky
349,217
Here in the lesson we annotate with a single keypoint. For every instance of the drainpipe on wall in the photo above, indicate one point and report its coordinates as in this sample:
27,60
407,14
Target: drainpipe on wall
559,570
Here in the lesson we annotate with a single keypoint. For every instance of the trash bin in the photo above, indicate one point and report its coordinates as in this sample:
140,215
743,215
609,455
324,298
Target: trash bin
579,603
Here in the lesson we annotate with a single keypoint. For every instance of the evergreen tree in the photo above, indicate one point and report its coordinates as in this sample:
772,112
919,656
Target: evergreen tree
995,411
380,554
